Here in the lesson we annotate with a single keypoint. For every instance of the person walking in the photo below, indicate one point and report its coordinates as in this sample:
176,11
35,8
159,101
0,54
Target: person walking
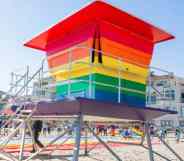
178,135
37,128
163,133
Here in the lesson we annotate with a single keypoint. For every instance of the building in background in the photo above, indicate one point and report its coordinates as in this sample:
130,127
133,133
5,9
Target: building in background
2,102
167,92
44,88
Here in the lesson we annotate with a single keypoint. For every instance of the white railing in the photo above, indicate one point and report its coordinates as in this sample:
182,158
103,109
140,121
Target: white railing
120,69
70,63
161,97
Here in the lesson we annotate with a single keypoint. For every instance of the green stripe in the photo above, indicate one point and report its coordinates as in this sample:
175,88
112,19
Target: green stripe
81,86
114,81
115,90
63,89
110,81
124,83
142,96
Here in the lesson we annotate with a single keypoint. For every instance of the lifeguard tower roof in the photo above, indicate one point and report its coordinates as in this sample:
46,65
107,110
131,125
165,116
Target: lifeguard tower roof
97,11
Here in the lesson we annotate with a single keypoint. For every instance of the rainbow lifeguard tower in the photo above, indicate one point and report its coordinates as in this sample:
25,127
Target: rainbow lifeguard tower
101,52
101,56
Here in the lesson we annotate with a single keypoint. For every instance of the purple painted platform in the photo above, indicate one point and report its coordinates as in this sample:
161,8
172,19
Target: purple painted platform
90,107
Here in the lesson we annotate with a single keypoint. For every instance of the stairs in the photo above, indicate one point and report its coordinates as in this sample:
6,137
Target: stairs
20,113
7,156
21,116
24,114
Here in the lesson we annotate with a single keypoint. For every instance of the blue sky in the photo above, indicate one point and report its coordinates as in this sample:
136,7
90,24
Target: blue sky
20,20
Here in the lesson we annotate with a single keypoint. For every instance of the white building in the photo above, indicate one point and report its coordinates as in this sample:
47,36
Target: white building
44,88
167,92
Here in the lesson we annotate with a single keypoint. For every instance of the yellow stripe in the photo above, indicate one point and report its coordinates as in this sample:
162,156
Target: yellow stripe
64,75
114,63
107,62
123,75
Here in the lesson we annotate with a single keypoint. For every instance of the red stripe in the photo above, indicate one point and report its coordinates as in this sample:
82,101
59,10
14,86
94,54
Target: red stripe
72,39
103,12
125,37
108,31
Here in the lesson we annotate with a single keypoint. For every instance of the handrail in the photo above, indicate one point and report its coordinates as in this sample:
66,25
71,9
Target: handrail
16,83
35,74
20,90
97,65
96,50
93,82
5,142
109,55
121,68
41,71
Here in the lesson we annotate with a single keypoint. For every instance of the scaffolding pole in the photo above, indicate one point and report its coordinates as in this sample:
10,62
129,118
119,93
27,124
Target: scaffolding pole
147,129
77,131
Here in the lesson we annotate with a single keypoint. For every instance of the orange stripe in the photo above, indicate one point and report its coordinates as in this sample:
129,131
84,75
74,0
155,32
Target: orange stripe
126,53
110,48
62,57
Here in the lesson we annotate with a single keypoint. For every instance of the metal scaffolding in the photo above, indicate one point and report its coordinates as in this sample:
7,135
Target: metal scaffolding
23,117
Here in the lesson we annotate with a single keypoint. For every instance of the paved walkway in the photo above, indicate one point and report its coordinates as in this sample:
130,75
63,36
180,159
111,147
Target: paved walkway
126,152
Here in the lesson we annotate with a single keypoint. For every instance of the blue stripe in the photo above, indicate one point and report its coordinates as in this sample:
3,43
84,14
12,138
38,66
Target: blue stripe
113,97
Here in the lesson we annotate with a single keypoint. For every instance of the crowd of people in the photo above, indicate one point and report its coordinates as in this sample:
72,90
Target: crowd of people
178,133
113,130
52,128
